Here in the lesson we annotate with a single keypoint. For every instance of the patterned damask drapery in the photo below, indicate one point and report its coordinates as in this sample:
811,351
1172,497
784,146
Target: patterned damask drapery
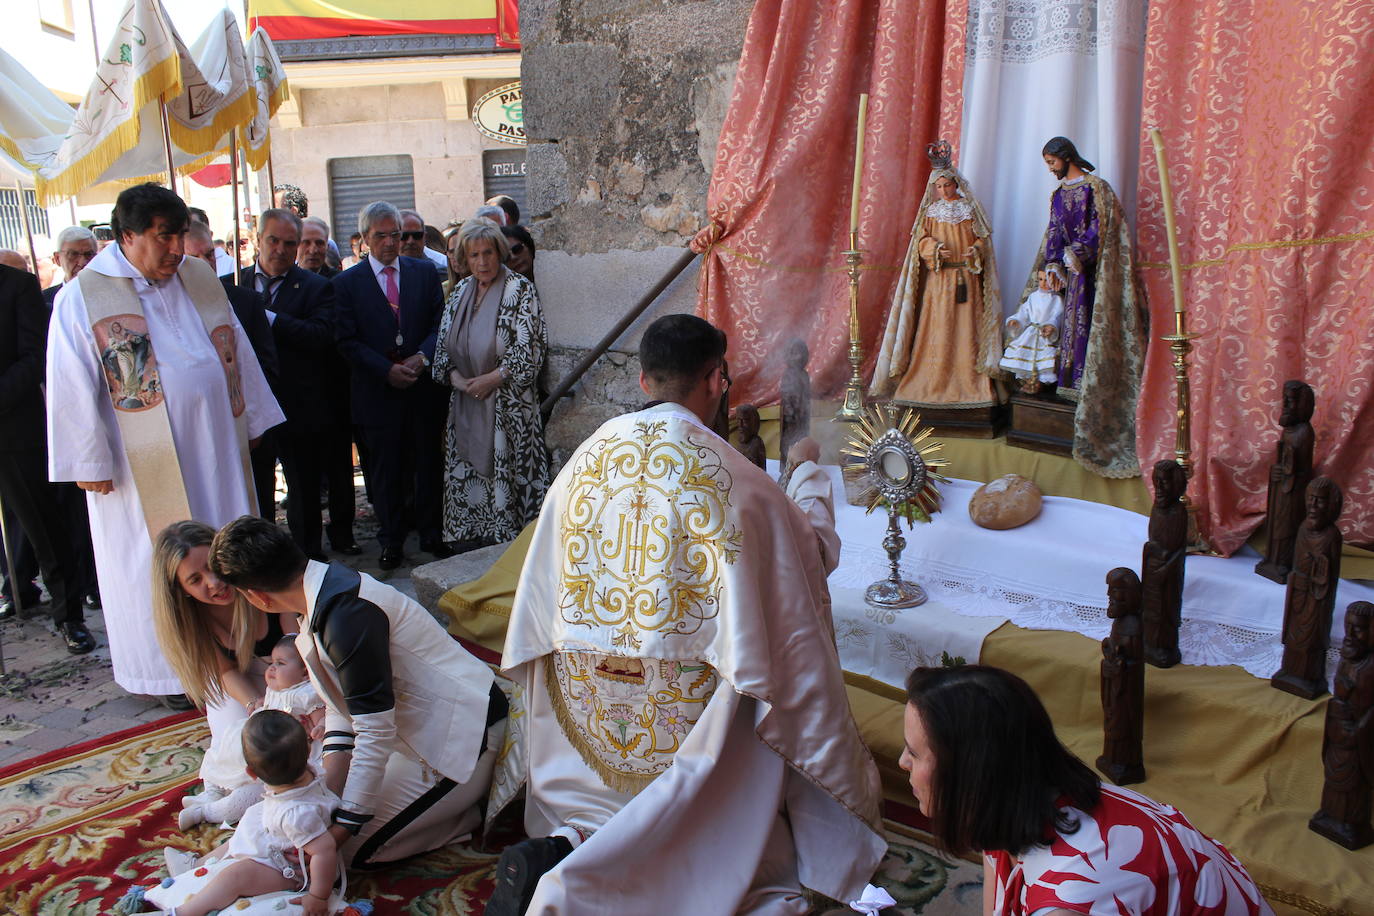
1264,106
779,196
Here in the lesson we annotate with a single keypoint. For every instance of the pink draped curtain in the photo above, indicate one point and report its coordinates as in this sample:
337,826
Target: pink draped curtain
780,193
1264,106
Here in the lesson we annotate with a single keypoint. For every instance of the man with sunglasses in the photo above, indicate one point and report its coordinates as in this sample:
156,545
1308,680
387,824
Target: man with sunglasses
413,241
687,743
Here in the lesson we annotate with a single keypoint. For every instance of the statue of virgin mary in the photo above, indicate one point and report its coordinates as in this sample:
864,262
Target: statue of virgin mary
943,340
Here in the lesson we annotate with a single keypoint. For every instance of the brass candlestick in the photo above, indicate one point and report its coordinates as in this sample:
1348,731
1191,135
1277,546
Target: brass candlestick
1181,343
853,409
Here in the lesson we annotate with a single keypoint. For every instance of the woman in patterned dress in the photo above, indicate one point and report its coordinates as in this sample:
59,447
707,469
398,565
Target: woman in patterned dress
988,771
490,351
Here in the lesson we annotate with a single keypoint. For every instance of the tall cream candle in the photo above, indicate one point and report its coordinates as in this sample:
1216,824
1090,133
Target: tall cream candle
858,167
1166,194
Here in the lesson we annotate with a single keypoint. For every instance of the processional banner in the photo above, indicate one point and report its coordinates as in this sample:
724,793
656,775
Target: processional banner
269,79
1264,112
116,132
295,20
778,203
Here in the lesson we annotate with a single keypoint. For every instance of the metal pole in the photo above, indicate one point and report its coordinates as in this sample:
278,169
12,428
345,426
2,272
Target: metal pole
14,584
167,145
28,228
95,41
614,333
271,176
234,183
247,199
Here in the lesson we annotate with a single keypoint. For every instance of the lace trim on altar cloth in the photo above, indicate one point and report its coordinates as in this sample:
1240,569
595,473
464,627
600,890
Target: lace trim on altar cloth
1024,31
972,594
950,211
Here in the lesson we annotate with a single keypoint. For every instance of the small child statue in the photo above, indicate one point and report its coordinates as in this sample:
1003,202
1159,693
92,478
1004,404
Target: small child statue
796,396
750,445
1032,355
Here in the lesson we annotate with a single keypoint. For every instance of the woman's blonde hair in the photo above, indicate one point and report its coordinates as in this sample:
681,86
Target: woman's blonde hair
481,229
183,628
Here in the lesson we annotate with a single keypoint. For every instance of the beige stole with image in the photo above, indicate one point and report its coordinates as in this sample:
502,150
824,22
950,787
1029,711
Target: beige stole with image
129,361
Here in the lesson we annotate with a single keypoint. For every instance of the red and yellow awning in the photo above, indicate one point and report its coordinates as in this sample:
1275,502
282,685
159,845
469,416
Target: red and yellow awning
294,20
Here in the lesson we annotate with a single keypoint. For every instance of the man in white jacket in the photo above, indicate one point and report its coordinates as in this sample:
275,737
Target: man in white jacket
413,722
688,743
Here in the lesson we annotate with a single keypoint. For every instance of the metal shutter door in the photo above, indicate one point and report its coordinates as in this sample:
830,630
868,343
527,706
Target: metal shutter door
357,181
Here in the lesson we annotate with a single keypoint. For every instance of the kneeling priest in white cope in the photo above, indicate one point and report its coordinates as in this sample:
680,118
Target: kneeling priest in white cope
154,395
688,743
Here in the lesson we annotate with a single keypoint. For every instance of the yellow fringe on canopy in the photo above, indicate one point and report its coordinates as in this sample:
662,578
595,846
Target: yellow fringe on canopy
236,114
256,158
279,95
163,78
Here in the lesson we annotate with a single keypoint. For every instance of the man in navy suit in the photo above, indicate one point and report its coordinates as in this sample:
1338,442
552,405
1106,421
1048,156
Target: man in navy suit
300,307
387,312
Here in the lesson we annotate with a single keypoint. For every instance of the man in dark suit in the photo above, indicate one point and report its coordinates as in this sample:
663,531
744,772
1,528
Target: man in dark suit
24,486
300,307
387,318
252,315
337,443
76,245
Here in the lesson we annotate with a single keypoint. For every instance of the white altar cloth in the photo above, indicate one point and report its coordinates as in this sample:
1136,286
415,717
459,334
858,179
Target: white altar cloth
1050,575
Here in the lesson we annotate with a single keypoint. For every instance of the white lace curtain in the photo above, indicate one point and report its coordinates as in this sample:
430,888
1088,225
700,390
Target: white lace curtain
1037,69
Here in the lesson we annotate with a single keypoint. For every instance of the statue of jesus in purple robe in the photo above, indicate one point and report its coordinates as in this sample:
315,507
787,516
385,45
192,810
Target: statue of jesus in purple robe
1086,255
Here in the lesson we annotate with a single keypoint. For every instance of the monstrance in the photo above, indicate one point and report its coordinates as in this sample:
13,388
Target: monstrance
901,461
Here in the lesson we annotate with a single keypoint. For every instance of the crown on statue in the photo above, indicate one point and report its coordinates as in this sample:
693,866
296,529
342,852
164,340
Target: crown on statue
940,154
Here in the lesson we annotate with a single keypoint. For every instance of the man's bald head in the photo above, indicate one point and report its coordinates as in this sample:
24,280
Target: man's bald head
11,258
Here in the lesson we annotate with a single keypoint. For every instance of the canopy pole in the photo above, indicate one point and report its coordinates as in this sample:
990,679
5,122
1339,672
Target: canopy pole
167,145
234,183
28,227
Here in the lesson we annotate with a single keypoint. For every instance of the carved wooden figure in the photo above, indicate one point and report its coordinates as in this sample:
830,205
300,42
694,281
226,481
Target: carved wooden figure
1311,598
747,417
1161,565
1123,682
1348,744
1289,476
796,397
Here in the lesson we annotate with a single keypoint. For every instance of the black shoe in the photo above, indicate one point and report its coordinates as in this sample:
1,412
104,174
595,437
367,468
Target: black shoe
79,639
31,600
92,601
351,549
391,558
518,872
438,549
177,702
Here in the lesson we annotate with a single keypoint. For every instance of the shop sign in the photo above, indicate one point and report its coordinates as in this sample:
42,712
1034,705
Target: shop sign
500,114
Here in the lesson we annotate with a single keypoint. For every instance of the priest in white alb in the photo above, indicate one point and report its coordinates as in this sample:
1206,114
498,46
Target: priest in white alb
154,396
688,745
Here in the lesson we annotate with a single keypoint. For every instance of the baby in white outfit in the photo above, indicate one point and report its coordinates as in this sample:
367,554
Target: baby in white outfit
228,790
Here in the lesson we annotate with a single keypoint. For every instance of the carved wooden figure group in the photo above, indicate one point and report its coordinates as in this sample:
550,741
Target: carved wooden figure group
1162,564
1310,600
1123,682
1288,479
796,397
750,445
1348,741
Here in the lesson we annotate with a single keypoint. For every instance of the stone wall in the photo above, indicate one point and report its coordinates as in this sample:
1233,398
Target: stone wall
624,101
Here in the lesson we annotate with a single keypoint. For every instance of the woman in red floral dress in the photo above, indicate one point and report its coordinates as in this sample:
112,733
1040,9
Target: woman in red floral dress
988,771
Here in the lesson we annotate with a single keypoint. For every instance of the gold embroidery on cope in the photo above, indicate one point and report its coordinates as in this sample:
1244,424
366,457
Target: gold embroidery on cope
646,536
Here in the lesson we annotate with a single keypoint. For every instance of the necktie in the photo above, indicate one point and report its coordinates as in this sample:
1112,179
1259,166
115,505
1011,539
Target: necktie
269,286
393,295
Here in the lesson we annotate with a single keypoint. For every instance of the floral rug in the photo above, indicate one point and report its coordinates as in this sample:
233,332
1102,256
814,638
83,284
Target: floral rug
80,826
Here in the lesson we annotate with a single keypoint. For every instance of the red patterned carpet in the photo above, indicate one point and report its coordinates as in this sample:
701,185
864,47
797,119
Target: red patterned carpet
80,826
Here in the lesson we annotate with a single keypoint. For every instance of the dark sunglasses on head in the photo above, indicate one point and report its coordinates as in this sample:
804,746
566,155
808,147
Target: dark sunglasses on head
412,236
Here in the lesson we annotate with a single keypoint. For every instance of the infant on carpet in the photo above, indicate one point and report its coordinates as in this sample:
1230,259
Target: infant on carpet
228,790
